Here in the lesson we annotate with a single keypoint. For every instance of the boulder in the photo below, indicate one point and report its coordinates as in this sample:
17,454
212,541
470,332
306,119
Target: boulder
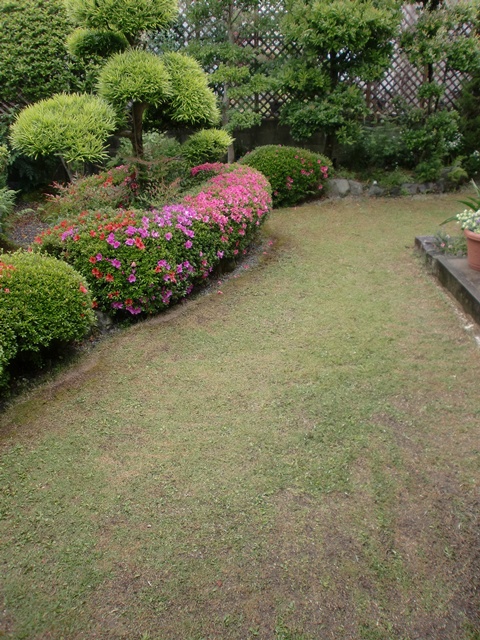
338,187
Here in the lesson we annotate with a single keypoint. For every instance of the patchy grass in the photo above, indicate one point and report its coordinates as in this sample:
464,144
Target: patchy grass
293,459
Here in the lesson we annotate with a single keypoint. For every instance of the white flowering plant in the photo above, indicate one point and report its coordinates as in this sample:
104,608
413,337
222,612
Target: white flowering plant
470,217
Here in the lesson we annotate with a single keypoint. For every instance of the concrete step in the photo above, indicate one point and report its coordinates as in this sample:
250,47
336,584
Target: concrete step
454,274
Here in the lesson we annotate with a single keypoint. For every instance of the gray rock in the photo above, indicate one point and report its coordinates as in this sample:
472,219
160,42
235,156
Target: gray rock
375,190
104,322
338,187
356,188
411,188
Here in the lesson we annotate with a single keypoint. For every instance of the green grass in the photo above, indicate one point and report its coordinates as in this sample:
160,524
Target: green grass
295,458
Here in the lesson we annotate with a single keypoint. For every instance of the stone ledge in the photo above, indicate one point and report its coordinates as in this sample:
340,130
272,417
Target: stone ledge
454,274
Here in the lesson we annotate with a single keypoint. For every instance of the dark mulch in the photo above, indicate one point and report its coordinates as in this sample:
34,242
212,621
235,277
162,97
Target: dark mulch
24,225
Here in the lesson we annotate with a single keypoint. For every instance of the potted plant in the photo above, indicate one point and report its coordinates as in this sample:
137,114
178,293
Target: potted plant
469,220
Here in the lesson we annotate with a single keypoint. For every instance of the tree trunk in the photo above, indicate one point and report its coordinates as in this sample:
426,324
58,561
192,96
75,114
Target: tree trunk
138,109
329,146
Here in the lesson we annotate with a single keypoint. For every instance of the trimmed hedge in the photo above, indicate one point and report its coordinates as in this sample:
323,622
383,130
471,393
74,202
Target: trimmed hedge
140,262
42,301
294,174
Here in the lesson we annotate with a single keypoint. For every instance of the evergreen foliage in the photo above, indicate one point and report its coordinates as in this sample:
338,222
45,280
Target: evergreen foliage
226,35
74,127
43,301
206,145
340,43
88,44
34,63
130,17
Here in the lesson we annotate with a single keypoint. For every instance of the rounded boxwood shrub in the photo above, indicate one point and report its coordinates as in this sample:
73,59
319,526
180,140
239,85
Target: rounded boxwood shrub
294,174
43,301
206,145
140,262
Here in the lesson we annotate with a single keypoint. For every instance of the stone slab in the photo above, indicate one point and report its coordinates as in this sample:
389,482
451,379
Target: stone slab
454,274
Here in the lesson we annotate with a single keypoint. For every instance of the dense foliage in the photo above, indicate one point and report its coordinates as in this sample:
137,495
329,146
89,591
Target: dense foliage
139,262
294,174
130,17
110,189
340,43
226,45
43,302
436,44
206,145
34,63
74,127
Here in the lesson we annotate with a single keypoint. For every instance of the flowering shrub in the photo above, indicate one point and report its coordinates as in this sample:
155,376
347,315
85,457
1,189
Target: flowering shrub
470,220
114,188
42,301
140,262
294,174
470,217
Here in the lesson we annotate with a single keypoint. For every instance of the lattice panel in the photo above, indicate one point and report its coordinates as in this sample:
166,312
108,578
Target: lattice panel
401,80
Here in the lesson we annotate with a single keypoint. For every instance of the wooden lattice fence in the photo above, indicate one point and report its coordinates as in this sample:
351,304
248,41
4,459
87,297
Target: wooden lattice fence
401,80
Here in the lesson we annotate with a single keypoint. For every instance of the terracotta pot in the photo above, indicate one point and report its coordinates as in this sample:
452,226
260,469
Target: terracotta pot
473,249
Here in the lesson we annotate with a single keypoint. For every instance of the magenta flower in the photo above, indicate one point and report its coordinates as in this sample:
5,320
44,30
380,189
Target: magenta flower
132,278
188,244
168,236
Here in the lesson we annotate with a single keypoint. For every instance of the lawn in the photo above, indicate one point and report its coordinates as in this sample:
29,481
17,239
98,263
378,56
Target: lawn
293,456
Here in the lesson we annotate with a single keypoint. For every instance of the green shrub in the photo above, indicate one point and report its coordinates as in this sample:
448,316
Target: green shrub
8,349
294,174
4,155
73,126
378,147
7,203
33,57
114,188
93,44
207,145
43,302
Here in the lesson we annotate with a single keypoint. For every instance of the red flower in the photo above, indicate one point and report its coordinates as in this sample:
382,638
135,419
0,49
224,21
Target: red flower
83,289
109,277
97,273
138,243
92,259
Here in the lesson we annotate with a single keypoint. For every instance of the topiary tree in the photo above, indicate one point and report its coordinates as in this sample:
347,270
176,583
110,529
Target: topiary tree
134,80
341,42
437,44
74,127
228,45
129,17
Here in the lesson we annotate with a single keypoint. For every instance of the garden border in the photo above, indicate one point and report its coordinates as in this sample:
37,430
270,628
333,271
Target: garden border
454,274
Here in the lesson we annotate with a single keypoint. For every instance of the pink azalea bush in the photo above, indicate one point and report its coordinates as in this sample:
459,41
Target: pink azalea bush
140,262
294,174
